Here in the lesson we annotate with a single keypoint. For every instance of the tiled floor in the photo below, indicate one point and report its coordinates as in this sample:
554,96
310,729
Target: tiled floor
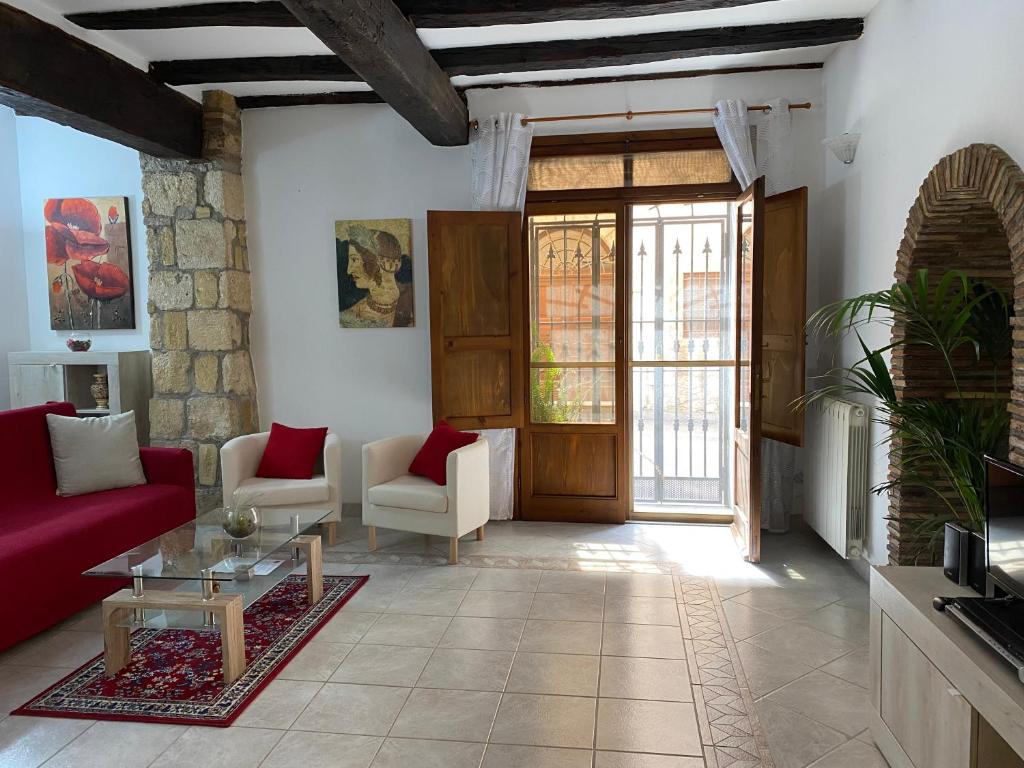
551,646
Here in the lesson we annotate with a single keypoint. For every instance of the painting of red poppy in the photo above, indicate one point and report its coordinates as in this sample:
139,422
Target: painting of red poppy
89,263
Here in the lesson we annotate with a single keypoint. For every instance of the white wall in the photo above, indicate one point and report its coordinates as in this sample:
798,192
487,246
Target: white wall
56,161
13,307
306,167
927,77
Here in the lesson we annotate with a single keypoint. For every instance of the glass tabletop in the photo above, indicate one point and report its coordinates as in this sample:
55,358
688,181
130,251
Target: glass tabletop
203,545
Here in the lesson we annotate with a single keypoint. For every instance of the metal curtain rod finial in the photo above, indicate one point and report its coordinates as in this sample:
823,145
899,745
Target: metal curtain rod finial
629,115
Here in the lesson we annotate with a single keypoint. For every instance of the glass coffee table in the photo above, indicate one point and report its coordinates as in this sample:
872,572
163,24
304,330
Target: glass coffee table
229,574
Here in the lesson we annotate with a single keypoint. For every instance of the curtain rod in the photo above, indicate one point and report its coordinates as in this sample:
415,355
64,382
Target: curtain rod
475,124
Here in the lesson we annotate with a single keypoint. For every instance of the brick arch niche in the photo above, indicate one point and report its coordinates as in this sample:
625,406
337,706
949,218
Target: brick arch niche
969,215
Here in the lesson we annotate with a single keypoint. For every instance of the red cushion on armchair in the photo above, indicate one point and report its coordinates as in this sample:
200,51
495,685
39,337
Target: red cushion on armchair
291,453
432,460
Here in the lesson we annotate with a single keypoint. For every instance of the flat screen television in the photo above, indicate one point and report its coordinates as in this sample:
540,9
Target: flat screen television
1004,509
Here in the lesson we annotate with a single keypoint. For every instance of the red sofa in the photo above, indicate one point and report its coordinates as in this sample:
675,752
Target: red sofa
46,540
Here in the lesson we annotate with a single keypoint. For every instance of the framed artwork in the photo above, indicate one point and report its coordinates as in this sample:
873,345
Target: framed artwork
89,263
374,273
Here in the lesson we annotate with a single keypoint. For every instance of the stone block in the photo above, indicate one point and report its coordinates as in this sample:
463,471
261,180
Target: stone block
214,329
201,244
203,211
237,374
166,418
207,292
223,191
235,290
175,330
212,418
170,372
156,330
207,368
166,192
208,462
170,289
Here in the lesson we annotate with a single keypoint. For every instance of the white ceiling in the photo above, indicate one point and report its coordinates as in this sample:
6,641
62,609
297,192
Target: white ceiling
143,46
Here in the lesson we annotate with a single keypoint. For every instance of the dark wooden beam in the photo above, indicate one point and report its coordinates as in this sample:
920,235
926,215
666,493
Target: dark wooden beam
422,13
527,57
46,72
379,43
307,99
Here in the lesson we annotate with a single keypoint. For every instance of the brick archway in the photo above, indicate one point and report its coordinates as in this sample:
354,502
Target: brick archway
969,215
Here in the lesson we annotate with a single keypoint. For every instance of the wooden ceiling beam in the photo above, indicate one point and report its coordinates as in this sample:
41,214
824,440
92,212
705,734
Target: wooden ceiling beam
307,99
45,72
229,14
381,46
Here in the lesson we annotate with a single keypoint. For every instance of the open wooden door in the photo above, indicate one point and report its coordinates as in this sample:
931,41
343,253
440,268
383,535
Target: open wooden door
476,329
750,237
784,315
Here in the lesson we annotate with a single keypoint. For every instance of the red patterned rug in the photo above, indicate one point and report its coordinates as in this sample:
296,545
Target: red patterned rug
175,675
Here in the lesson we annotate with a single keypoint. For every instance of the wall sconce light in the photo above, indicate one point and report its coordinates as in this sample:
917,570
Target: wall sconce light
843,146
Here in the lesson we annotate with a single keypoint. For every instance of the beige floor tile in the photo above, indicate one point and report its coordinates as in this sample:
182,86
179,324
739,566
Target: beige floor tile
559,607
483,633
803,643
346,626
642,640
664,727
627,609
302,749
635,760
444,577
561,637
425,753
836,703
426,602
466,670
786,603
640,585
795,741
507,580
852,754
225,748
56,649
382,665
278,704
448,715
623,677
19,684
363,710
317,661
848,623
572,582
853,668
554,673
125,745
745,622
373,599
496,605
26,742
766,671
545,721
510,756
402,629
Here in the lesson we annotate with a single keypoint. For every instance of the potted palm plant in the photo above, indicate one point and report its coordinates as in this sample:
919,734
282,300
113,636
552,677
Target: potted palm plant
961,326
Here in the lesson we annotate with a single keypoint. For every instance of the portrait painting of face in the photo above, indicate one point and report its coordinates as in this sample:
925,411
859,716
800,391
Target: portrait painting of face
375,288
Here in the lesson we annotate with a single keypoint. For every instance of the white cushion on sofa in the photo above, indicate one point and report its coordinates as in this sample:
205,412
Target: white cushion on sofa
410,492
274,491
94,454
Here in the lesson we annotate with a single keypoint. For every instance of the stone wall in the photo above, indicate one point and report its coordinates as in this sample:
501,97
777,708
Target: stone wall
204,391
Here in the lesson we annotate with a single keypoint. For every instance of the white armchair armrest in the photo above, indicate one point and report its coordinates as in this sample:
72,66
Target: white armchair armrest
469,482
332,462
239,460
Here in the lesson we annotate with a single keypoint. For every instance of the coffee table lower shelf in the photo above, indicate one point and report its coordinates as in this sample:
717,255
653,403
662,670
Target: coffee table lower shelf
226,610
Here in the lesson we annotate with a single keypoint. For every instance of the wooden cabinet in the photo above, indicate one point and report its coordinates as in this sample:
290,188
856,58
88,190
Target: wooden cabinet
41,377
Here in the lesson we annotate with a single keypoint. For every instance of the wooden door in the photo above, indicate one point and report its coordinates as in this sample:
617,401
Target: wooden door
784,315
573,452
747,428
476,330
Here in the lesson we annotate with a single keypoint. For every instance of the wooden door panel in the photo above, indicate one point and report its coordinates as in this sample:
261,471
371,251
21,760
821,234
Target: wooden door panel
784,315
476,303
574,465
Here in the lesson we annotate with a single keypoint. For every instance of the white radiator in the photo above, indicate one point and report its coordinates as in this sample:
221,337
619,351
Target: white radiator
837,458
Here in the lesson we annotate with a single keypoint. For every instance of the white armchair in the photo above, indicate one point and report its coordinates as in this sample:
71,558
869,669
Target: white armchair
392,498
240,458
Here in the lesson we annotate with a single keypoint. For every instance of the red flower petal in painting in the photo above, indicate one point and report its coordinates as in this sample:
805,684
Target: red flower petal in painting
101,280
84,245
76,212
56,244
112,214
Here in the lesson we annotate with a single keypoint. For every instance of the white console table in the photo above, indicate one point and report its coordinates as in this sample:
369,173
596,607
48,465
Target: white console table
941,698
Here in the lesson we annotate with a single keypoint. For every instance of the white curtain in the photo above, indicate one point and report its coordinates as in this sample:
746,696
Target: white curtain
781,476
500,150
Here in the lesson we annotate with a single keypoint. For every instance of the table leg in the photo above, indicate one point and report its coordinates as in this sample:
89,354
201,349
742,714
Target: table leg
232,641
314,566
116,641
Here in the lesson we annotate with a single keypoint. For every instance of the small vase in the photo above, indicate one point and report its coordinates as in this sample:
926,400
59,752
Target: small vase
240,522
99,390
78,342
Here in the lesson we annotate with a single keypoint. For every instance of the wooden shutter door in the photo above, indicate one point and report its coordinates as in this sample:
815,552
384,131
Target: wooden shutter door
476,304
